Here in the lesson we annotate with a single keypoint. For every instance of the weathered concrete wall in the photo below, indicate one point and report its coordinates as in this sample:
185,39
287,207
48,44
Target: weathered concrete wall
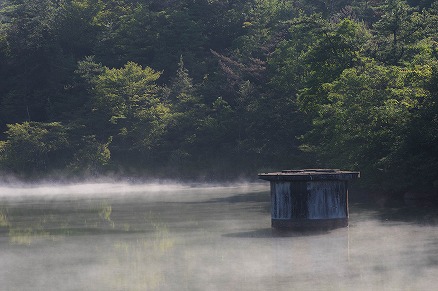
309,200
281,200
327,199
309,197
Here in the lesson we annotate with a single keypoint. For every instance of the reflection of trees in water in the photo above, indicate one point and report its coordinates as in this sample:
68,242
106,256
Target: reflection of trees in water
27,225
130,257
137,260
23,232
105,212
3,220
419,211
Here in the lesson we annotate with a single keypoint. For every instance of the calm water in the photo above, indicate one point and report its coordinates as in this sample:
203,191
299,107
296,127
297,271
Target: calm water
152,237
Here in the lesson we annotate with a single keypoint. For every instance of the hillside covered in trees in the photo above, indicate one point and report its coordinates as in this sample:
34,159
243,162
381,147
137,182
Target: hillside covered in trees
215,89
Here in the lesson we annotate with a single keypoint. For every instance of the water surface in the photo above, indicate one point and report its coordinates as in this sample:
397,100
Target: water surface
176,237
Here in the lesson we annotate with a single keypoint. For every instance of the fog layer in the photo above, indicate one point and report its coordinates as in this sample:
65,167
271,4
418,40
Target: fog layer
179,237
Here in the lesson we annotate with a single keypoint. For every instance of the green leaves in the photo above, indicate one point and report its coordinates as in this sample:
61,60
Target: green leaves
398,30
353,82
317,53
127,103
32,147
365,125
122,91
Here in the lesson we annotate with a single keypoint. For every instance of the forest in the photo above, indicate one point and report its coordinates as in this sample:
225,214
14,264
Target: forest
212,90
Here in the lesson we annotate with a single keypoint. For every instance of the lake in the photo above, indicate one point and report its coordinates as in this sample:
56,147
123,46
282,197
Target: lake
120,236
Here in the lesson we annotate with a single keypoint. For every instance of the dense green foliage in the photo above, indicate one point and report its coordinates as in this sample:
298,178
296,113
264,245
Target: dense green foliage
213,89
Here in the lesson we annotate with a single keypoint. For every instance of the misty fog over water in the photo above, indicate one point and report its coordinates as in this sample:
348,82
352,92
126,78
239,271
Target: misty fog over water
112,236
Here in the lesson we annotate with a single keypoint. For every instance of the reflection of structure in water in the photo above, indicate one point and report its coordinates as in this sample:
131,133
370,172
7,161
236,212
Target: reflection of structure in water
311,198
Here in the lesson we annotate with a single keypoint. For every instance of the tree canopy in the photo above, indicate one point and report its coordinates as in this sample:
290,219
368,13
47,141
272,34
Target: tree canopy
206,89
